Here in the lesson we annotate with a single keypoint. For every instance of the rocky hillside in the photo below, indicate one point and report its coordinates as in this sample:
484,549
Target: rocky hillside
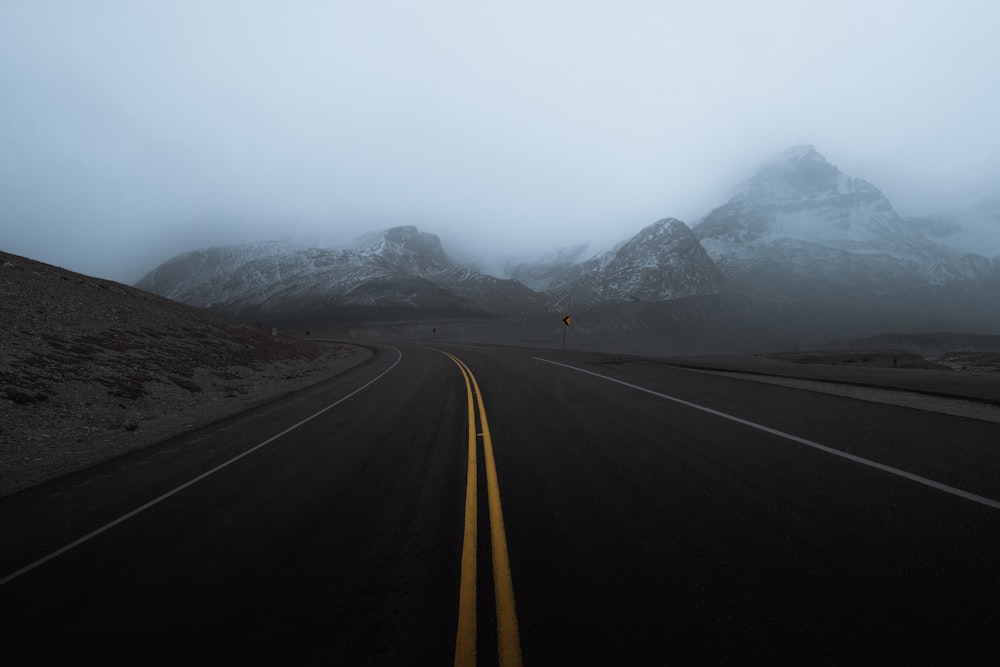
663,261
90,369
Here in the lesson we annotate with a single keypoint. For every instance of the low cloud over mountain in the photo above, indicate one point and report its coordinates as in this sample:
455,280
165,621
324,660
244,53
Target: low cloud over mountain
801,252
397,274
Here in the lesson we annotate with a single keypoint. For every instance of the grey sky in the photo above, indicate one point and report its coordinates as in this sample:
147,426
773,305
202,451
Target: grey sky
130,131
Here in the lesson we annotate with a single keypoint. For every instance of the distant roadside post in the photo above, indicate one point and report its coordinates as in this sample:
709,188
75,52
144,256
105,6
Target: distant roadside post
566,320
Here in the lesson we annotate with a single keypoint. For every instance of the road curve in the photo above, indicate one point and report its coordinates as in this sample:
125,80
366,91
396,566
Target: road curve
650,514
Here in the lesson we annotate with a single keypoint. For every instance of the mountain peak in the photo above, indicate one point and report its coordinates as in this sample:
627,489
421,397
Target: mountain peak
803,153
664,228
797,171
421,248
408,245
663,261
800,196
656,244
407,235
405,244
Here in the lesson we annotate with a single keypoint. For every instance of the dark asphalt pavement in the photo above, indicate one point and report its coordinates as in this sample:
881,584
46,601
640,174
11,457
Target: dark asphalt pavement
652,515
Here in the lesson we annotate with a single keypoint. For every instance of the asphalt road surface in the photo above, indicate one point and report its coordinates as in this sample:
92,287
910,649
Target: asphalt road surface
452,504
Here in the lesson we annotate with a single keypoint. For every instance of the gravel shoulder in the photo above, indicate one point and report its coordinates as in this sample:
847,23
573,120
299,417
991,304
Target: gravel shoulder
958,407
963,384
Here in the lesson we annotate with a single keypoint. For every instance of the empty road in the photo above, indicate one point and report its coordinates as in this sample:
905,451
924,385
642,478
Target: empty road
458,504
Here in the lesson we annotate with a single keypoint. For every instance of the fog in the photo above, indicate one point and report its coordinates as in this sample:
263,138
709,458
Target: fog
132,131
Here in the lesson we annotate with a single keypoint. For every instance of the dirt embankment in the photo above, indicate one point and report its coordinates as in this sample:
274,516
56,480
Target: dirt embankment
91,369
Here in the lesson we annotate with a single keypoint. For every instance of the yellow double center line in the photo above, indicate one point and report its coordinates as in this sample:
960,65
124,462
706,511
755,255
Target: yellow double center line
509,645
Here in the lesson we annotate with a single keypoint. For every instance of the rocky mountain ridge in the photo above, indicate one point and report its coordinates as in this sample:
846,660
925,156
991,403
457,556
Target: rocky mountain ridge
802,197
394,274
798,245
801,232
662,261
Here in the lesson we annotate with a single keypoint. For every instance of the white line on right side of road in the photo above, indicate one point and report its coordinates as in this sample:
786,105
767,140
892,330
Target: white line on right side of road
125,517
988,502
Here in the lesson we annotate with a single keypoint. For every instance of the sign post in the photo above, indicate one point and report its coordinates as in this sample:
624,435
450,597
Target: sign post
566,320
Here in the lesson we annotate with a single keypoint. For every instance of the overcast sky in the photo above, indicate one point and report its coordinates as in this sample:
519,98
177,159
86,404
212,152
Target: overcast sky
131,131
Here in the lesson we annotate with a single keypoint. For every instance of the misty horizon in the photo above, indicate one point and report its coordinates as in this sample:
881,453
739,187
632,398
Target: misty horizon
133,133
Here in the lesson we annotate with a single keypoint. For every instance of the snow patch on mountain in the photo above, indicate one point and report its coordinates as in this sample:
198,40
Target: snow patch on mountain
662,261
398,267
407,246
800,226
184,276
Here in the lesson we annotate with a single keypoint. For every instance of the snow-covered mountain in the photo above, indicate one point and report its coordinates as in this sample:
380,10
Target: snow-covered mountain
801,197
400,270
662,261
799,223
801,250
798,228
406,247
199,277
815,251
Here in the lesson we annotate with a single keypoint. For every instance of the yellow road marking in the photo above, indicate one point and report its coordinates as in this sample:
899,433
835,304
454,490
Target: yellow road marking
465,642
509,644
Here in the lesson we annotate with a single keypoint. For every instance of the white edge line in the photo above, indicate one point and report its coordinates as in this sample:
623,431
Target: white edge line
982,500
142,508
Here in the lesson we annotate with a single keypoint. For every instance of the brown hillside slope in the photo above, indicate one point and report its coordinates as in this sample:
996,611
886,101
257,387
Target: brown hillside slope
91,369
